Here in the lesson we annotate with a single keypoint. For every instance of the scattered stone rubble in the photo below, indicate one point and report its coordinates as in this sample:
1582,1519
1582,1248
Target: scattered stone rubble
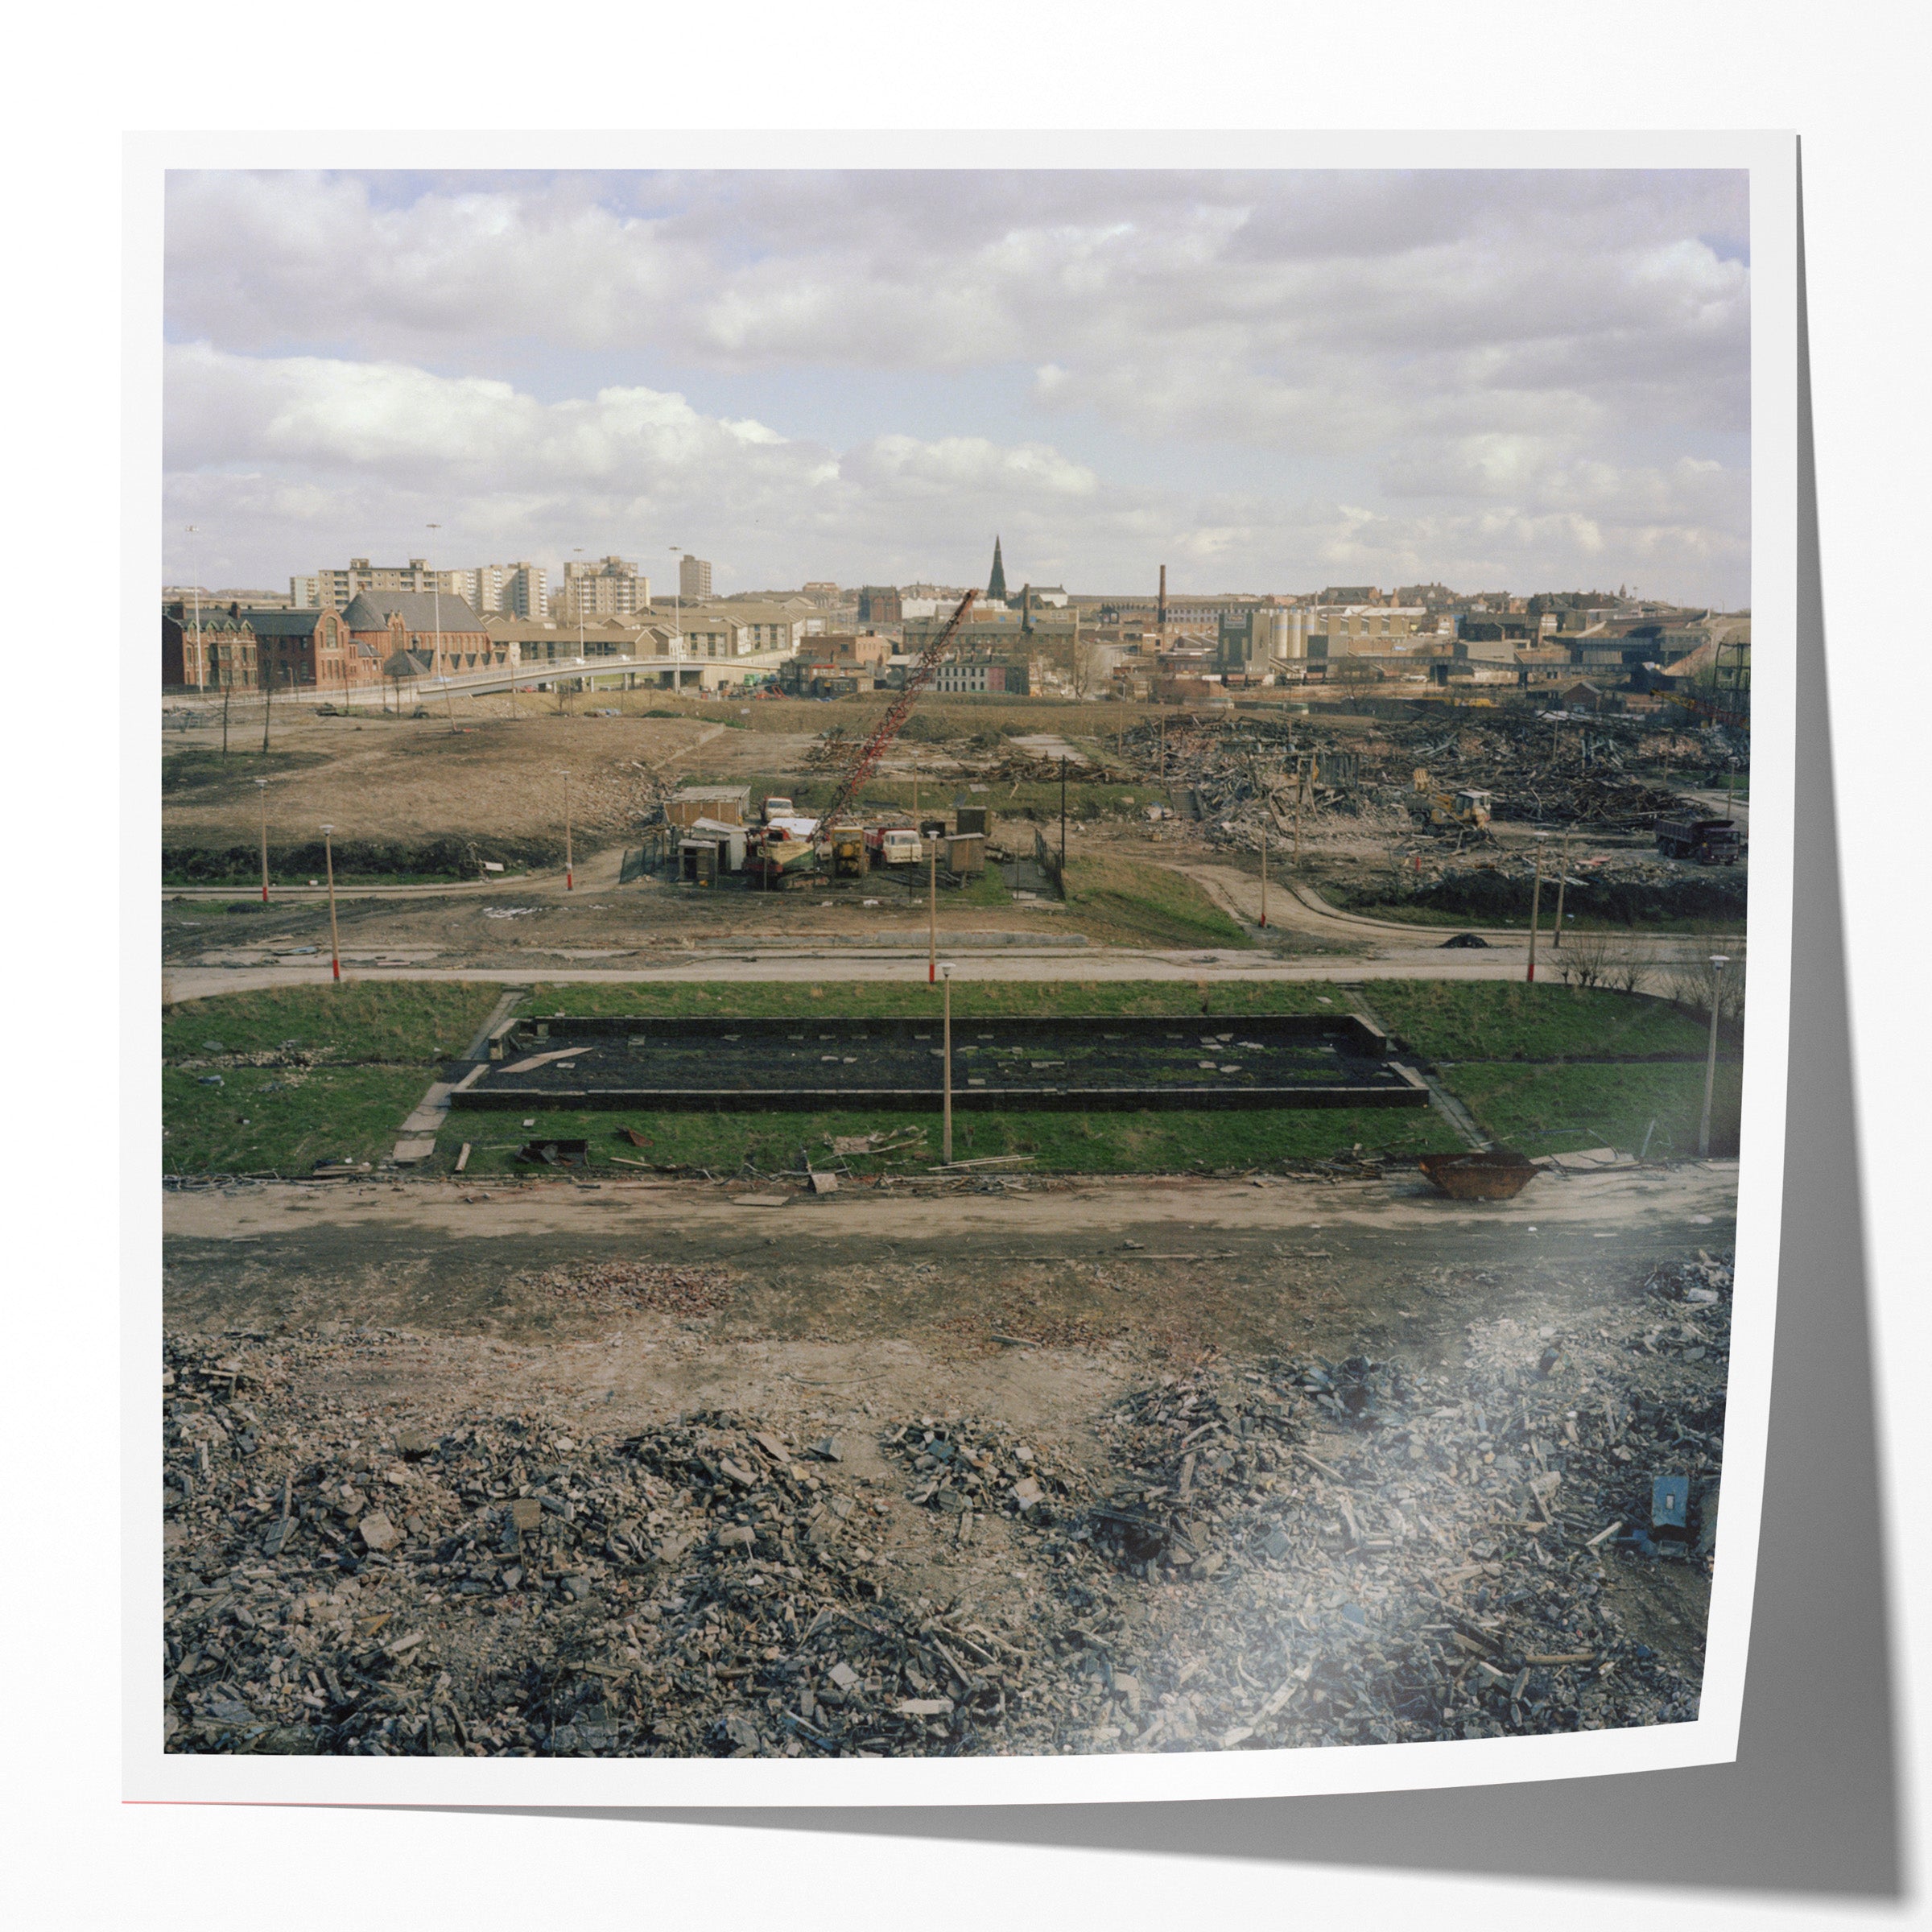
664,1287
1296,1553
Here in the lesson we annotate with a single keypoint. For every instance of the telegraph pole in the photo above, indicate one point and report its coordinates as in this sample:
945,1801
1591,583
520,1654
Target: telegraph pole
1062,825
1536,902
932,916
569,871
261,786
1563,880
329,865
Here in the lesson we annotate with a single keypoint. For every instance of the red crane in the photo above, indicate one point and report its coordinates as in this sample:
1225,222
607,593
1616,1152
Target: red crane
888,727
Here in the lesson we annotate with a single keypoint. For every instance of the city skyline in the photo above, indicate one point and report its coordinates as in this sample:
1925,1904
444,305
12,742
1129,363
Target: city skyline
1269,382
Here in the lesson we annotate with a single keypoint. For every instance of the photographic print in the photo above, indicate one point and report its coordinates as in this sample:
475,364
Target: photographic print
955,968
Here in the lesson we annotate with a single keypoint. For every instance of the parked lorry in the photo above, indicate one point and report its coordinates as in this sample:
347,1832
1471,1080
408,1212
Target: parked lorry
1704,841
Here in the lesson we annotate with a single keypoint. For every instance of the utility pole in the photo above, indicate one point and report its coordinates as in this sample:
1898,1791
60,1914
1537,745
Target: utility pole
1301,786
1261,792
1718,961
1062,825
946,1056
1536,902
569,870
267,673
328,866
261,786
932,916
1563,880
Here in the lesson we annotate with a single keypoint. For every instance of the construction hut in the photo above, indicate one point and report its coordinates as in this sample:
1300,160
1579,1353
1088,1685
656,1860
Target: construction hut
709,849
724,804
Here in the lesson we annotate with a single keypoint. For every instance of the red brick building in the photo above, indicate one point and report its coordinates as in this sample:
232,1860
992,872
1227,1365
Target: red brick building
312,651
209,650
440,628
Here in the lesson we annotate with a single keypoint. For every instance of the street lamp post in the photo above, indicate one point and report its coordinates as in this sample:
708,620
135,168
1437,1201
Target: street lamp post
436,592
194,567
932,915
329,867
677,621
946,1056
1718,961
261,786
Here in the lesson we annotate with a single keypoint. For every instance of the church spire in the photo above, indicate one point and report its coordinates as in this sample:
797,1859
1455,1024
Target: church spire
996,584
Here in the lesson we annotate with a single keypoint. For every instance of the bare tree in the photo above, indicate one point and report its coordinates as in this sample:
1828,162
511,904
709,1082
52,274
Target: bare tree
1694,983
1084,668
1585,959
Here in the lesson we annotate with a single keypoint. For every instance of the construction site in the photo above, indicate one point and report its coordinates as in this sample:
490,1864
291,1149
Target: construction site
935,1225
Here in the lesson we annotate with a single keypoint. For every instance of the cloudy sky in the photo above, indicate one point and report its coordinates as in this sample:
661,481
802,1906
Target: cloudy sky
1267,381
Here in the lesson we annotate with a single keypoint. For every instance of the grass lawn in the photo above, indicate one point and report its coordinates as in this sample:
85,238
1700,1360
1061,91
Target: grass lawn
380,1042
1511,1020
884,999
242,1128
1127,901
408,1022
1546,1109
1148,1142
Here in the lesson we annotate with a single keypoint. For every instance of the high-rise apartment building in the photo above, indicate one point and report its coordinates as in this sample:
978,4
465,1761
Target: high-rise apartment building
334,590
608,587
514,589
511,590
694,577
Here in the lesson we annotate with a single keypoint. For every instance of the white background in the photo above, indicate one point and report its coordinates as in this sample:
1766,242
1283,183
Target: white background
1849,83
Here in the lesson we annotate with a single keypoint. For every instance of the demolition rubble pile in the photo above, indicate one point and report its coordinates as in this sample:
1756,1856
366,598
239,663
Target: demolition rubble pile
1394,1557
497,1587
1570,773
1305,1553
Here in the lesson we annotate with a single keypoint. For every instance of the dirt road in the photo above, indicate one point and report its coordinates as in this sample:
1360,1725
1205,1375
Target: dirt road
1148,1265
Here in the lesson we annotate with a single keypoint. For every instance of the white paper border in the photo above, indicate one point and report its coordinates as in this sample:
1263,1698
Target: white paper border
150,1774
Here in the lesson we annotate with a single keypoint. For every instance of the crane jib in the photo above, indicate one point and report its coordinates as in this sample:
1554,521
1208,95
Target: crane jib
888,727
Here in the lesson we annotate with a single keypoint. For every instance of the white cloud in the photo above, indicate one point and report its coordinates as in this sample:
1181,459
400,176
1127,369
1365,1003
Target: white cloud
1531,372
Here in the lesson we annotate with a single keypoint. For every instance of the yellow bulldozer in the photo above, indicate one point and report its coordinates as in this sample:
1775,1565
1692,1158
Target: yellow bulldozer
1466,809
